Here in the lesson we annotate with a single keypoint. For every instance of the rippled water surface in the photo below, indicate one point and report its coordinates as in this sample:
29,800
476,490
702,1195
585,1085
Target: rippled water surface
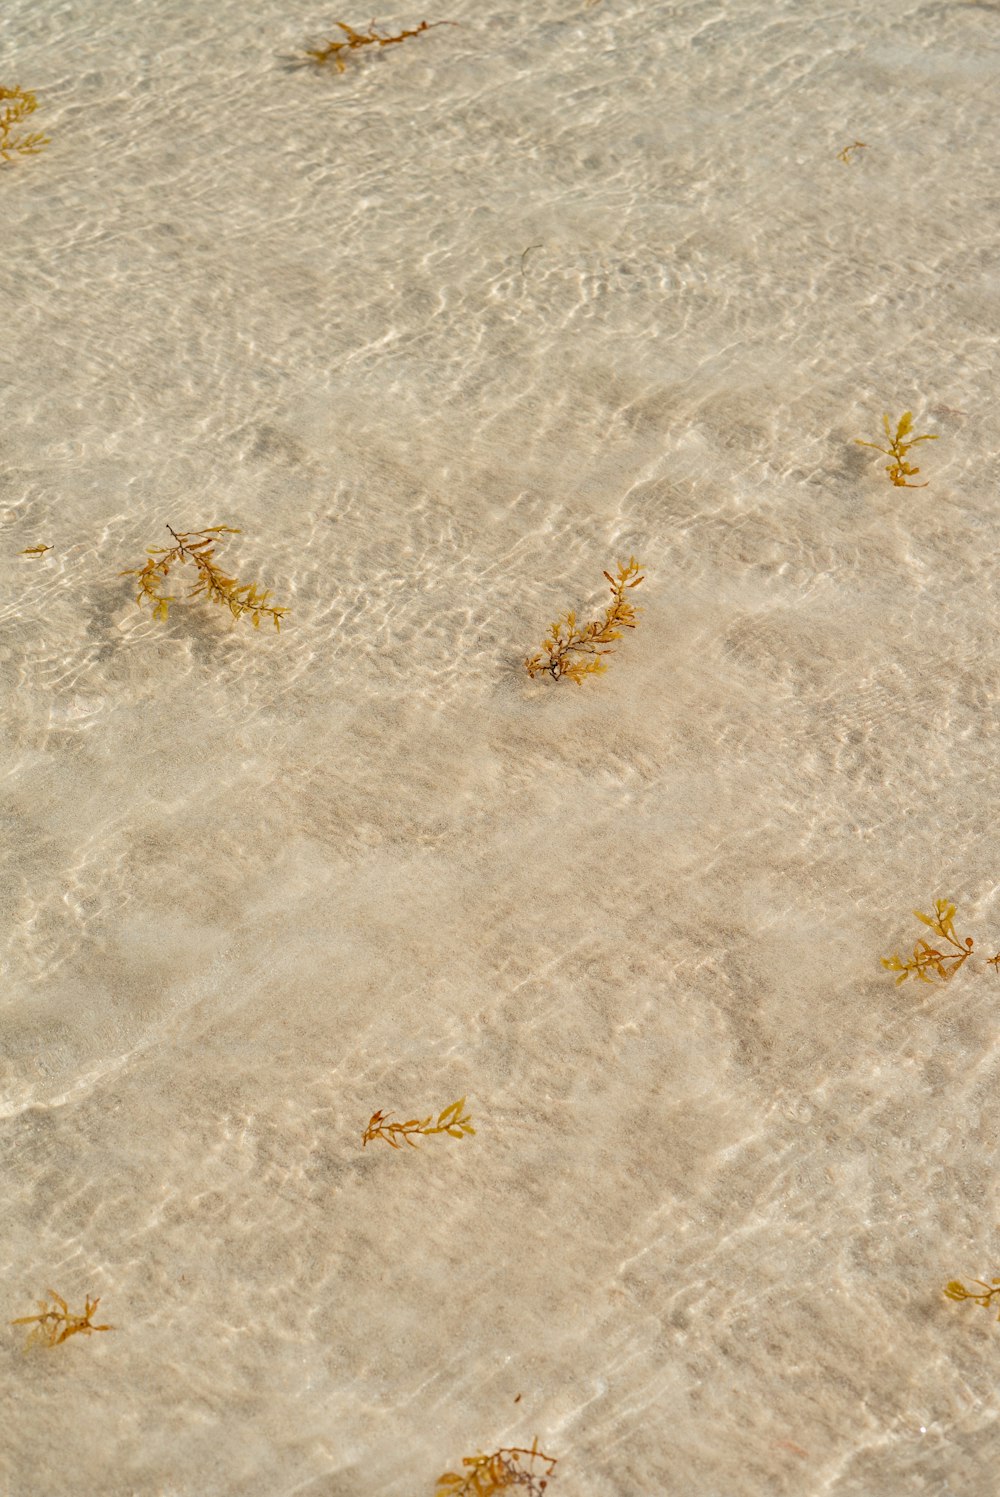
444,337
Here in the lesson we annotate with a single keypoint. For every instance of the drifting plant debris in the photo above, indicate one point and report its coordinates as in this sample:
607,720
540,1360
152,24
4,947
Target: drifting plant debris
57,1323
983,1296
499,1472
845,154
22,102
899,469
572,651
928,959
38,550
356,39
198,546
449,1121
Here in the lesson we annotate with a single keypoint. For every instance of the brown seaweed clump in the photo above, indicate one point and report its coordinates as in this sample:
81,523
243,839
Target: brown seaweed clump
198,547
500,1472
20,102
573,651
57,1323
354,40
938,962
450,1121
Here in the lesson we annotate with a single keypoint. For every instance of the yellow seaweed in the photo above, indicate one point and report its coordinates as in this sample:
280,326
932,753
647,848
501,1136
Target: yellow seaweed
57,1323
984,1296
450,1121
928,959
331,51
899,469
38,550
845,154
573,651
510,1467
198,547
20,103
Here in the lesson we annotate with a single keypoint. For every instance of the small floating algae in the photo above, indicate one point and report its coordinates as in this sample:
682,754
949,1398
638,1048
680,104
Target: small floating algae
57,1322
573,651
899,469
38,550
198,546
984,1296
372,38
927,959
21,103
845,154
499,1472
449,1121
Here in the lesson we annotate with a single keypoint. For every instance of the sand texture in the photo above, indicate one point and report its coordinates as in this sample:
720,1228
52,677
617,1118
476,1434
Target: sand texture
444,337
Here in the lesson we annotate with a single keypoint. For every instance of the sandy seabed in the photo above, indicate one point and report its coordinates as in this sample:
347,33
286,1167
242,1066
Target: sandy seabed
444,337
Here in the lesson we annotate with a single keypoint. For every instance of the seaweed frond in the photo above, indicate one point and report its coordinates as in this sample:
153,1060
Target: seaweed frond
510,1467
574,651
20,103
928,959
198,547
845,154
331,51
899,469
57,1323
38,550
983,1296
449,1121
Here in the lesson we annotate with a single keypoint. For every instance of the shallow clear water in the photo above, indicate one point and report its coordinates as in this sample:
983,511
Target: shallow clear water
445,337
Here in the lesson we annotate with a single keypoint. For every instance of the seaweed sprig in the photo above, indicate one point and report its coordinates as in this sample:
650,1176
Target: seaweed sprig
57,1323
38,550
21,102
198,547
899,469
845,154
573,651
500,1472
331,51
927,959
984,1296
449,1121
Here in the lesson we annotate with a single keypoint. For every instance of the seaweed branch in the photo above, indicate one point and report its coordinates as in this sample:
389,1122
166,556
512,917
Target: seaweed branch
899,469
449,1121
575,651
21,103
57,1323
928,959
845,154
38,550
331,51
198,547
510,1467
984,1296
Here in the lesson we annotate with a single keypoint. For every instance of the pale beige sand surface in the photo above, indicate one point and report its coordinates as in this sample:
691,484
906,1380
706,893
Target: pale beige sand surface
445,337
